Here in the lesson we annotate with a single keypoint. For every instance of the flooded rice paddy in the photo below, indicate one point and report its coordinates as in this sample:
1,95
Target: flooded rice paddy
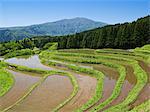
145,93
56,89
22,84
53,91
87,87
31,62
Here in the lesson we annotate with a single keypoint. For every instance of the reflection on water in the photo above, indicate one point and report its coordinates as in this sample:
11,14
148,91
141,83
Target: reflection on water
130,76
22,83
87,86
146,68
144,94
32,62
111,76
53,91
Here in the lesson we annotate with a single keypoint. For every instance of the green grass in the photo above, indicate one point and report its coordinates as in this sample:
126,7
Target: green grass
6,80
86,51
51,46
133,55
144,107
145,50
132,95
19,53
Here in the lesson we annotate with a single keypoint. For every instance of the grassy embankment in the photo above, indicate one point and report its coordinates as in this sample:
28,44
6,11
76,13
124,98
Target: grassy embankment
140,74
144,107
118,86
22,52
6,79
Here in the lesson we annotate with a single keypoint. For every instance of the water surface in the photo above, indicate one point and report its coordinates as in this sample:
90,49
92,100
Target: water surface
87,86
31,62
145,92
22,84
53,91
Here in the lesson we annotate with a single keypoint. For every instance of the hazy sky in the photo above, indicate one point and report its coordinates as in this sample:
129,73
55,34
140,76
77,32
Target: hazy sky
27,12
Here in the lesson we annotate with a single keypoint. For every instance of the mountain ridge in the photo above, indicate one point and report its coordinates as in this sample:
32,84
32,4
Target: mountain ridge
57,28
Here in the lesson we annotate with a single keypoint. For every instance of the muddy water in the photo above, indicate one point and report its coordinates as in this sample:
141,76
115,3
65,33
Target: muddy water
48,95
22,83
111,77
145,93
32,62
145,67
126,88
87,86
109,83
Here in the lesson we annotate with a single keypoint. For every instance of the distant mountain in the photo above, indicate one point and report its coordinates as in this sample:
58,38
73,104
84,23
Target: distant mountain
62,27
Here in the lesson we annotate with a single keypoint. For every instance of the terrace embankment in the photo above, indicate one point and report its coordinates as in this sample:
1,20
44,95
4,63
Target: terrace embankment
126,88
144,94
22,83
85,51
129,83
111,77
87,87
53,91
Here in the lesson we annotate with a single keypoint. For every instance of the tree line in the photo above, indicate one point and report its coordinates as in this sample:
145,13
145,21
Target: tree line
124,36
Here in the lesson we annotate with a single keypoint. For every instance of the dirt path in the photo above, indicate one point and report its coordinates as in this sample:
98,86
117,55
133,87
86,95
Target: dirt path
48,95
22,83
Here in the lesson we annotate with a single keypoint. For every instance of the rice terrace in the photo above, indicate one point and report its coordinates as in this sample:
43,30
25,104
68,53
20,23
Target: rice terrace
76,64
77,80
